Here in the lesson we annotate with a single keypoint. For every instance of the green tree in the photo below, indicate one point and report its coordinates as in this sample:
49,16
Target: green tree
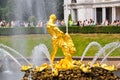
32,19
5,9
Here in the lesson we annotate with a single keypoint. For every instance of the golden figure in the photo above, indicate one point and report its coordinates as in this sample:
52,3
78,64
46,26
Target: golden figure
60,39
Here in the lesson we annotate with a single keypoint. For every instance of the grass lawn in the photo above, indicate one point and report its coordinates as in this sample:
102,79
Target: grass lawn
24,44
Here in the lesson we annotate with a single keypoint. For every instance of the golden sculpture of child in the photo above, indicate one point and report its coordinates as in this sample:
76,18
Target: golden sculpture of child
60,39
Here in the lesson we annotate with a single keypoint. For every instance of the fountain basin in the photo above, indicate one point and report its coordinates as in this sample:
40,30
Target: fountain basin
73,74
76,73
111,60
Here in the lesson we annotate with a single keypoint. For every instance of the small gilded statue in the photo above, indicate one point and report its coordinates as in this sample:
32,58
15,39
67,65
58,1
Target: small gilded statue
62,40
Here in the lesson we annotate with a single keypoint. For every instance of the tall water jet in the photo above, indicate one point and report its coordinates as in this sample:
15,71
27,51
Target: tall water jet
66,20
89,46
40,9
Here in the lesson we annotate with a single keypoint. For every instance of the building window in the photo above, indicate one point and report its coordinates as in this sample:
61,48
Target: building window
73,1
75,14
99,15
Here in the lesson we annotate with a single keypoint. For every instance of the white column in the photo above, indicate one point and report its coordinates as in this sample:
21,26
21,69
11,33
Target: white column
103,14
113,14
81,14
94,15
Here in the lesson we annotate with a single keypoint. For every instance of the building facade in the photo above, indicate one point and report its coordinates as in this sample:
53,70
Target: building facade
98,10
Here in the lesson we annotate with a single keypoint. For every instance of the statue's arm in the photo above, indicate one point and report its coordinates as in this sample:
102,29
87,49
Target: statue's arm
51,25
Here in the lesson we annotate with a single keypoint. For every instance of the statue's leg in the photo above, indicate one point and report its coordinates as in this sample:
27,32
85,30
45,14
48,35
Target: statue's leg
66,52
55,48
68,57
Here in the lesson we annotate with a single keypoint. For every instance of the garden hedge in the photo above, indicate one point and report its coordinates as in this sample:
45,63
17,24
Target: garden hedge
73,29
21,30
92,29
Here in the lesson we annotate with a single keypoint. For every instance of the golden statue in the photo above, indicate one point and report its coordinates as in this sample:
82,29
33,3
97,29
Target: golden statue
60,39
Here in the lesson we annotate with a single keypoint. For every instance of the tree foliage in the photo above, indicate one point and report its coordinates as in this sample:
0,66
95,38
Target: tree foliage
5,9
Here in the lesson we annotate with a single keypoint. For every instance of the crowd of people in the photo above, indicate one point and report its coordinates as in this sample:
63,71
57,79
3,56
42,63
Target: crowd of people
76,23
18,23
115,23
89,22
80,23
